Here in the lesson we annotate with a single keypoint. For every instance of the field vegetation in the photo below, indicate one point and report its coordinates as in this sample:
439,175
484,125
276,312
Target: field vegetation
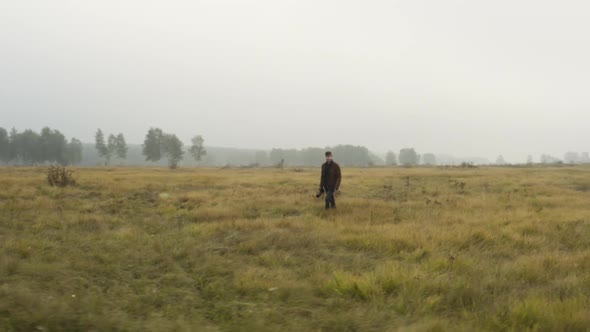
197,249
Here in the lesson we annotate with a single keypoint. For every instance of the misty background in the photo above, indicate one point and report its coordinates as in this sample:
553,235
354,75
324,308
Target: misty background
458,78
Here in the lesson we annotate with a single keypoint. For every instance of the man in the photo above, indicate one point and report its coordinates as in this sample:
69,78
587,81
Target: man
330,181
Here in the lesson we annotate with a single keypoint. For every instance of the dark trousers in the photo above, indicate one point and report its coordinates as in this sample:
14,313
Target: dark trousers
330,200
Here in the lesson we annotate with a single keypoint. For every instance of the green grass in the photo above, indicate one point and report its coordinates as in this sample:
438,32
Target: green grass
147,249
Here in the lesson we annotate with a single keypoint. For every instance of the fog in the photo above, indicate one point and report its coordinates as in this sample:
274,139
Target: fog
467,78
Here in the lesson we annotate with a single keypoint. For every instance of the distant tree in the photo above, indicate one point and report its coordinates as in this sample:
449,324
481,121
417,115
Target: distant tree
391,159
261,157
14,139
571,157
529,160
59,145
408,157
4,146
74,152
197,150
312,156
375,160
351,155
172,149
585,158
28,149
46,145
112,144
276,155
289,157
158,144
152,145
15,145
53,146
429,159
548,159
500,160
293,156
120,146
104,150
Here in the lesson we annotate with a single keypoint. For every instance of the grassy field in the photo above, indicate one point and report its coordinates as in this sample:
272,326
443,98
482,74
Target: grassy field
147,249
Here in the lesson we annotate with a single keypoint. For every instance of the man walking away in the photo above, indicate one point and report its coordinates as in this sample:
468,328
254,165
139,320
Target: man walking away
330,181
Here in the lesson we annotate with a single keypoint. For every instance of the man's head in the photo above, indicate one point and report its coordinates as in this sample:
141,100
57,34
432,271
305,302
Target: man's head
329,157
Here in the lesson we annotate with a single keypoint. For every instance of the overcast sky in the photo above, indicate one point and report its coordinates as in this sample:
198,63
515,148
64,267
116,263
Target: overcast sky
469,78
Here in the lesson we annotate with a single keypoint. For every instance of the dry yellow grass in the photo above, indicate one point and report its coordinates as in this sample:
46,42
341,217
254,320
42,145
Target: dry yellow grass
151,249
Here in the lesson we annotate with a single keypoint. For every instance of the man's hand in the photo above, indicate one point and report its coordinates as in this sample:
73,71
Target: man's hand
320,193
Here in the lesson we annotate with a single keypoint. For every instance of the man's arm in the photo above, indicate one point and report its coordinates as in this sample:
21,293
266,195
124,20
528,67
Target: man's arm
338,177
322,179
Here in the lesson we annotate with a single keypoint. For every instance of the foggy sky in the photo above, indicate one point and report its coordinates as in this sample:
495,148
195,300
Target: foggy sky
469,78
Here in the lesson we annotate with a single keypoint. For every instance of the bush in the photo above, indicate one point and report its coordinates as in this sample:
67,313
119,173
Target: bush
59,176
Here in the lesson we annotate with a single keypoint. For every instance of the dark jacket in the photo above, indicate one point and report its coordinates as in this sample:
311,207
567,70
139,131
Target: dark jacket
331,176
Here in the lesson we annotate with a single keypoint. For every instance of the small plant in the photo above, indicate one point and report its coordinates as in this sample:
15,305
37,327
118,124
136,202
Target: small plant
407,188
59,176
468,165
459,185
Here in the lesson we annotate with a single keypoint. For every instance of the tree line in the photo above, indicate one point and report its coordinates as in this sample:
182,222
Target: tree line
349,155
409,157
50,146
32,148
157,145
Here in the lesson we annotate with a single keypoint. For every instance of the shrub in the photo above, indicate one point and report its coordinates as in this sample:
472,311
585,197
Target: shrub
59,176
